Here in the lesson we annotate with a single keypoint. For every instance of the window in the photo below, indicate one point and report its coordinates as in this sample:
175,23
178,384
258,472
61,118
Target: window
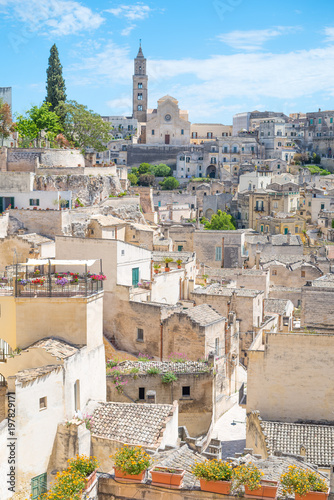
181,158
152,132
180,248
194,135
235,149
140,85
141,393
217,346
135,276
218,252
209,135
200,167
311,121
43,403
182,131
38,486
188,159
140,335
140,96
275,204
186,391
34,202
303,274
261,228
322,206
319,121
140,107
122,252
77,395
331,120
278,166
225,149
224,160
274,272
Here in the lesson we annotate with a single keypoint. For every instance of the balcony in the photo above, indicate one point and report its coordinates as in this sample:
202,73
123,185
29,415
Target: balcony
24,280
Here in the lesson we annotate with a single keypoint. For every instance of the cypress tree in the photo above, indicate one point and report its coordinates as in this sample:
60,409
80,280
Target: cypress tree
55,83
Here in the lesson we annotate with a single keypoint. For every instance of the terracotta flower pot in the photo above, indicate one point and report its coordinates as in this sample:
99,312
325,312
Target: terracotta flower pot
156,271
90,479
223,487
164,478
134,478
313,495
268,489
167,269
179,267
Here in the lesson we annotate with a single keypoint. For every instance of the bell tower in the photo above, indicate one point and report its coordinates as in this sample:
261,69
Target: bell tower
139,91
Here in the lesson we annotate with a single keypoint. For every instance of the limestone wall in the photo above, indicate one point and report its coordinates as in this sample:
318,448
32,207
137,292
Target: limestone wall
49,223
26,160
291,380
4,225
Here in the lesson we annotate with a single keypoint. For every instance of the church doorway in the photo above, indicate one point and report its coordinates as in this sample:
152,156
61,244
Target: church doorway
211,171
167,139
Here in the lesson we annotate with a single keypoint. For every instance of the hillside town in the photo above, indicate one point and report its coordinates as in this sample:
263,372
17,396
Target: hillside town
166,301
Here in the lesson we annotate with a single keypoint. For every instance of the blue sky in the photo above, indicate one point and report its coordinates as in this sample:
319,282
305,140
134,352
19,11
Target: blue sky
218,57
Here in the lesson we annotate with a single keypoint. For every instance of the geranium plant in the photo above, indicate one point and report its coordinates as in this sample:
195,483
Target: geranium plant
301,481
213,470
248,475
131,460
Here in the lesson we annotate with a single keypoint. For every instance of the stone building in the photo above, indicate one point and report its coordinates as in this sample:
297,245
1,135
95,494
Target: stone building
167,124
292,399
282,223
273,246
204,132
317,295
140,88
59,369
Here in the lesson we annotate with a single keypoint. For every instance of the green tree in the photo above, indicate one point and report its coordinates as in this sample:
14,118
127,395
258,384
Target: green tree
133,179
161,170
55,83
83,127
6,122
144,168
37,120
316,158
221,221
146,180
170,183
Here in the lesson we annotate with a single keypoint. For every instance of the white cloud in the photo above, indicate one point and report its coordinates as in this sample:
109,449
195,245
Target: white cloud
329,32
217,84
134,12
123,105
127,31
254,39
54,17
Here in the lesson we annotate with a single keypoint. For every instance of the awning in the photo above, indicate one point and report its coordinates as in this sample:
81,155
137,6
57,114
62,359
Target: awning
56,262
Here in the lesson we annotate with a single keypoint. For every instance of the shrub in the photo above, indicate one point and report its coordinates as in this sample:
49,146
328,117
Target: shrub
248,475
178,357
153,371
301,481
134,370
168,378
131,460
213,470
144,357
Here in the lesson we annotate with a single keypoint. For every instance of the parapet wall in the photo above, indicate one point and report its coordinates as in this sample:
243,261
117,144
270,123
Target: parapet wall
27,160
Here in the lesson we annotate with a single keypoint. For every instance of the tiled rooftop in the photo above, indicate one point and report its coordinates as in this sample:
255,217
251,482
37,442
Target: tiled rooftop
131,423
277,306
326,281
56,347
203,315
35,238
218,289
31,374
108,220
318,440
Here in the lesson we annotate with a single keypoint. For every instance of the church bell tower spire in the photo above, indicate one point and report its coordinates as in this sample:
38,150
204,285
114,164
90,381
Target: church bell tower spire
139,90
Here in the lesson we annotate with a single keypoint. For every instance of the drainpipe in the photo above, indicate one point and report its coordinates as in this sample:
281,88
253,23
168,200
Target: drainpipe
331,483
161,341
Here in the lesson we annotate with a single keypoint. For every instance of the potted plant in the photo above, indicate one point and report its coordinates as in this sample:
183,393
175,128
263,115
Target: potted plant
156,268
167,476
179,262
167,260
304,483
131,463
214,475
250,477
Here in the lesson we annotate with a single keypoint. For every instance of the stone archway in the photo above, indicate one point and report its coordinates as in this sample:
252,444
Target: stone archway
211,171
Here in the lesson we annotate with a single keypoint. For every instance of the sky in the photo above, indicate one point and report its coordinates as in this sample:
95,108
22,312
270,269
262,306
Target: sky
216,57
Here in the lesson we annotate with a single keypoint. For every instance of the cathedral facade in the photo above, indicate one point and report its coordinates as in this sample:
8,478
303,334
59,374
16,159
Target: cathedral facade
167,124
